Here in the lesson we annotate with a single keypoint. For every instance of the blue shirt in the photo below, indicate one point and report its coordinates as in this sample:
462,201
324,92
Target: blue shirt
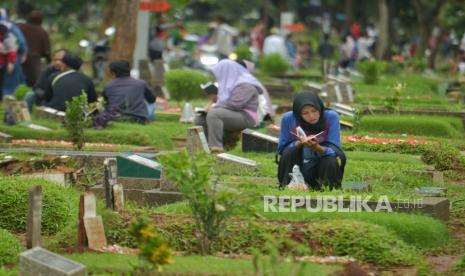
332,134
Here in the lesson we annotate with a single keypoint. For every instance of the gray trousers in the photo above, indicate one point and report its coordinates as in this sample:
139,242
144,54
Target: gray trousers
220,120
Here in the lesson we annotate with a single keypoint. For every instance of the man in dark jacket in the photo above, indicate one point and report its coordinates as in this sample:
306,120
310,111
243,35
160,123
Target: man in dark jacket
68,83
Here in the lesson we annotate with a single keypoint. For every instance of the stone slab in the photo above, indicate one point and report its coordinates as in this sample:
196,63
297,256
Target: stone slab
5,138
254,141
196,140
139,183
239,162
95,232
41,262
133,165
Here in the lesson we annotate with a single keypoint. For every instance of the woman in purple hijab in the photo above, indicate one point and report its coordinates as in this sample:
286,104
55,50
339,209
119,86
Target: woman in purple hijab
236,103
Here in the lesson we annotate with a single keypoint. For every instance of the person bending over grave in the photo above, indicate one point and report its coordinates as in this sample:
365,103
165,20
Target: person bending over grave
310,138
68,83
36,96
125,96
236,103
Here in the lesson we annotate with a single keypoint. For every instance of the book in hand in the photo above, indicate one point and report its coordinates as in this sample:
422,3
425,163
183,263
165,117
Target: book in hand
300,133
200,110
210,87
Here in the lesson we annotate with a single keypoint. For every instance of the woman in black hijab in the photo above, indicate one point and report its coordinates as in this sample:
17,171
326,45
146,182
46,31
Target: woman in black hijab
320,156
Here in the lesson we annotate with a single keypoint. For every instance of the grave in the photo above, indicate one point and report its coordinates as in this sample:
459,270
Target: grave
196,140
34,217
18,108
50,113
343,109
236,161
38,261
359,187
93,224
5,138
281,90
136,166
254,141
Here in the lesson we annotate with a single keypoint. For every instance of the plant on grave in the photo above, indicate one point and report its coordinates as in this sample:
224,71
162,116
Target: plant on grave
268,260
273,64
76,120
243,52
21,91
154,250
392,104
184,85
358,114
211,204
370,70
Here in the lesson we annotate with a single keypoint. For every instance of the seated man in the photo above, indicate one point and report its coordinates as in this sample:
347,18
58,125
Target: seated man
126,97
68,83
36,96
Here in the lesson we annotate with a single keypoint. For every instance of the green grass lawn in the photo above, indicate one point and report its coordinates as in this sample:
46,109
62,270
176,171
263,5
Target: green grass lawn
99,263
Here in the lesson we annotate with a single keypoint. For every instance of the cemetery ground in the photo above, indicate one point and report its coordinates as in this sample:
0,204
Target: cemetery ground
395,153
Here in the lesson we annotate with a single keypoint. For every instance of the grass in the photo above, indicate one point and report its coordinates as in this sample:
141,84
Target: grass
190,265
417,125
417,230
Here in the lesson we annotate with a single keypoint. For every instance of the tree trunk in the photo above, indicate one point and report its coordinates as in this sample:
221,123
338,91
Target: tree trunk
107,17
383,28
126,26
265,15
349,11
426,22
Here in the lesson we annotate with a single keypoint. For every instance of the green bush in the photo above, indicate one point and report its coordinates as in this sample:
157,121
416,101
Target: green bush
393,68
273,64
184,85
76,120
21,91
417,64
243,52
363,241
370,69
416,125
10,247
59,204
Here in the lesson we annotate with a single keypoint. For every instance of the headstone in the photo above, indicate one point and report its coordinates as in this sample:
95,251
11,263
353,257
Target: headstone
187,115
236,160
343,109
50,113
90,205
314,87
258,142
133,165
196,140
95,232
118,197
5,138
166,184
432,191
38,261
37,127
360,187
20,110
110,175
34,217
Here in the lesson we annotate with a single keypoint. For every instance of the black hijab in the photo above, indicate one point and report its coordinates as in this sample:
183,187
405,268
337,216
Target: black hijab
308,98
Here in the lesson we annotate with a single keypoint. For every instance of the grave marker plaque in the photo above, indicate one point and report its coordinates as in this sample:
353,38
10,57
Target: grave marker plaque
34,217
196,140
254,141
118,197
236,160
95,232
38,261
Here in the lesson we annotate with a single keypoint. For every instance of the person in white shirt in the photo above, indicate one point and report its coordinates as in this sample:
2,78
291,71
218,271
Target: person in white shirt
274,43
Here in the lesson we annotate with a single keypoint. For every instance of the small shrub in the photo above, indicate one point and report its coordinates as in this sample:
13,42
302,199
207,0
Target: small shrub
59,204
273,65
184,85
21,91
10,247
243,52
393,103
459,265
371,70
417,64
211,206
76,120
393,68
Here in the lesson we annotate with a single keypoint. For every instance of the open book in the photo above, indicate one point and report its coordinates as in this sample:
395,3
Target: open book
210,87
300,133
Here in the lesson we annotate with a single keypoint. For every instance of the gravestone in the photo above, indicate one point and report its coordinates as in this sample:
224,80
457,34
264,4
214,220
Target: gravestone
360,187
50,113
93,224
37,127
240,162
432,191
343,109
187,115
118,197
34,217
41,262
254,141
20,110
314,87
343,89
110,176
196,140
132,165
95,233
